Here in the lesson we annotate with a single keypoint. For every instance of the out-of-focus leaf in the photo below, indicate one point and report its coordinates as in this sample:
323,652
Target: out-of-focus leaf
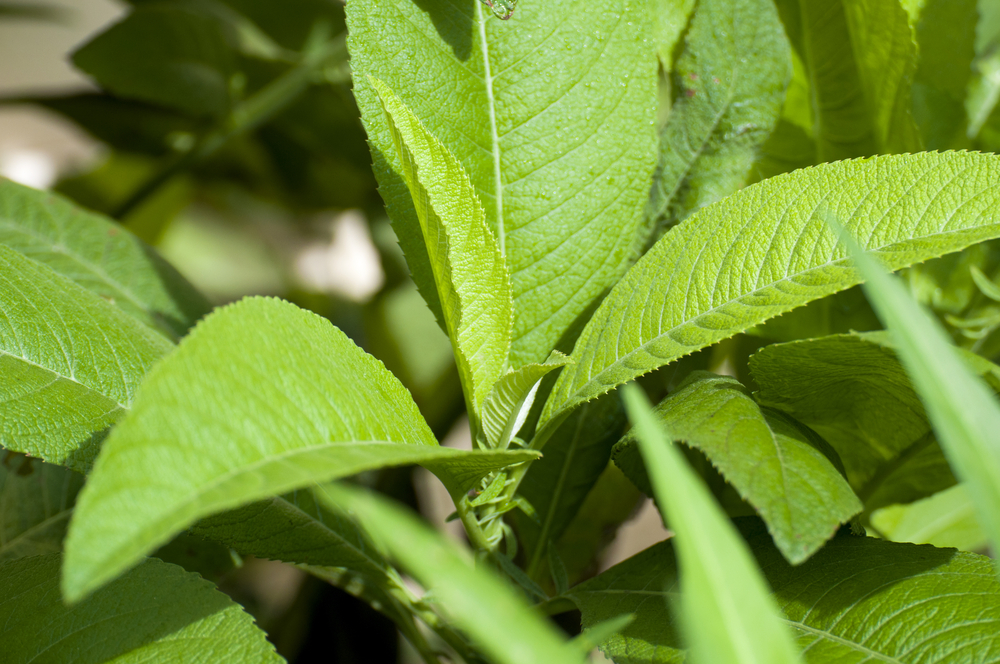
155,613
260,399
784,470
36,500
726,612
858,599
670,17
840,313
166,54
496,618
946,519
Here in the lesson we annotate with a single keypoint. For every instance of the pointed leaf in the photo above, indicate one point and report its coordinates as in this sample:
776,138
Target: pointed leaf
726,611
764,251
496,618
469,270
965,414
552,116
260,399
511,398
70,363
786,472
99,255
946,519
858,599
36,500
731,78
155,613
853,391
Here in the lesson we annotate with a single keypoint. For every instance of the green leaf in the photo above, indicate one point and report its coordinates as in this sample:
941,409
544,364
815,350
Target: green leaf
172,56
984,88
551,114
946,519
670,17
858,599
511,398
730,83
70,363
100,256
726,612
860,59
784,470
945,35
765,250
155,613
260,399
558,483
853,391
36,500
469,269
494,615
964,413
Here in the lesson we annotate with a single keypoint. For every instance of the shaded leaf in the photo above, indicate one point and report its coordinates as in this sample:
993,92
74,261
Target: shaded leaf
522,128
260,399
155,613
858,599
784,470
765,250
725,610
468,267
36,500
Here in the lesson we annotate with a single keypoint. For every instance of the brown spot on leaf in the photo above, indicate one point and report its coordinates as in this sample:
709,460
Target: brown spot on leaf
690,93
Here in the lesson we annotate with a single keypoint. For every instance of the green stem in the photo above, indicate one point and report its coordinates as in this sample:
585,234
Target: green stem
246,116
472,528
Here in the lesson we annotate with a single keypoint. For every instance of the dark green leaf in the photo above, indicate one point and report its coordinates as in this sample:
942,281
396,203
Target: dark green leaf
36,500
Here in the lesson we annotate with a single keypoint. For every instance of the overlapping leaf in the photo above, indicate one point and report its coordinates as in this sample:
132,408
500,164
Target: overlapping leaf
260,399
726,612
36,500
946,519
765,250
511,398
732,76
858,599
469,270
155,613
552,116
785,471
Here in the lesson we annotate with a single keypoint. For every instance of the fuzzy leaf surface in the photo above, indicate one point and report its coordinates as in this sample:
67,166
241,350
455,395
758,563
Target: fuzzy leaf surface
155,613
495,616
99,255
469,270
726,611
511,398
858,599
70,363
853,391
781,468
731,79
36,501
767,249
260,399
561,93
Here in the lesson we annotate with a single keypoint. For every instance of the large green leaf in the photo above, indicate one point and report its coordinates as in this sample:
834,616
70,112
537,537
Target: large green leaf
173,56
70,363
765,250
853,391
260,399
469,270
493,614
552,116
726,612
730,85
965,414
857,600
99,255
557,484
784,470
859,58
155,613
36,500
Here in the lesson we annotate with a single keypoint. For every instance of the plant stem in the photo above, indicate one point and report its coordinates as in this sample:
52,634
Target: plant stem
246,116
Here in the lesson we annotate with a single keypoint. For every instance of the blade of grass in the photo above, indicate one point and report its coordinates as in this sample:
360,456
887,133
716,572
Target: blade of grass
727,613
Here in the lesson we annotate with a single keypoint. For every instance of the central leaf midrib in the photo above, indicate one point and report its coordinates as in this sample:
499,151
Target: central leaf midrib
494,135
